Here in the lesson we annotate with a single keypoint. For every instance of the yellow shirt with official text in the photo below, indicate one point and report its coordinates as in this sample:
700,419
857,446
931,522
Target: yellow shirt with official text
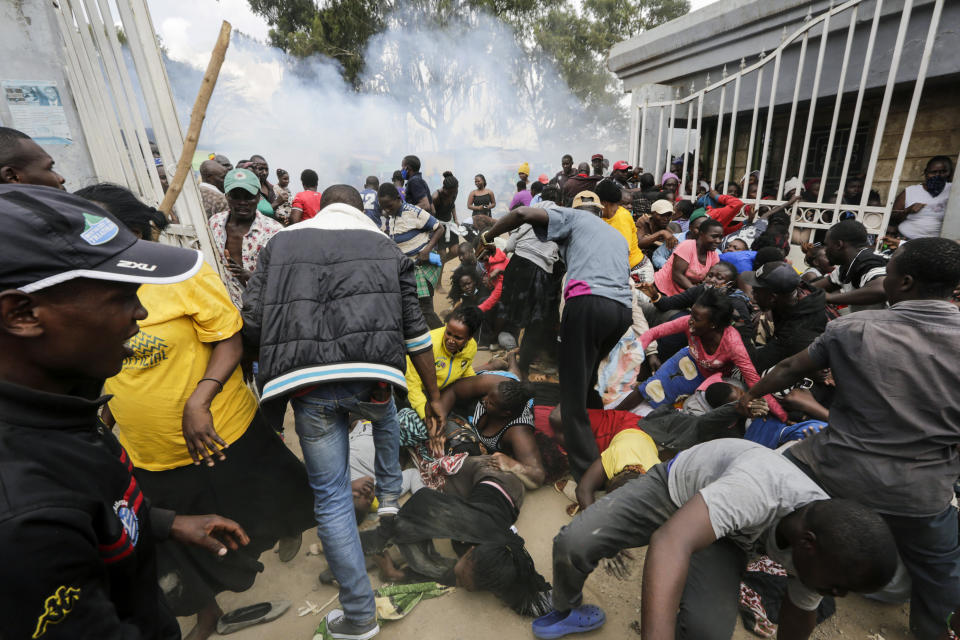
171,354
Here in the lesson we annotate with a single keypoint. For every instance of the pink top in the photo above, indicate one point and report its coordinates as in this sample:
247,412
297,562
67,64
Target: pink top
696,270
731,353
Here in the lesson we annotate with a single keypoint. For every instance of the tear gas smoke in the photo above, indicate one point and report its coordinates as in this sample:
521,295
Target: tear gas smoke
465,97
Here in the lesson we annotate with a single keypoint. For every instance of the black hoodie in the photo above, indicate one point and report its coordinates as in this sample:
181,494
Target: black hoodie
77,541
794,330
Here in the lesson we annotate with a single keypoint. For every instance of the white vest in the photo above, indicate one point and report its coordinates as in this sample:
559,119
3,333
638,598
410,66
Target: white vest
926,222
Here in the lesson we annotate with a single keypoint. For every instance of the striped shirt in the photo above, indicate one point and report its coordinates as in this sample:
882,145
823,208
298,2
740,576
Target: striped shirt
410,229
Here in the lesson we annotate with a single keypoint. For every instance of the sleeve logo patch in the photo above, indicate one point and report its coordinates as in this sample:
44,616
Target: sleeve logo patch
128,518
56,608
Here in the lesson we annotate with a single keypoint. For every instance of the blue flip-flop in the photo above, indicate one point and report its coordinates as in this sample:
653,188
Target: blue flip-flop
557,624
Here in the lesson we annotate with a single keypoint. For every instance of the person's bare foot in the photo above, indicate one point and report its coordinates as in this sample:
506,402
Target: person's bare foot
388,571
206,622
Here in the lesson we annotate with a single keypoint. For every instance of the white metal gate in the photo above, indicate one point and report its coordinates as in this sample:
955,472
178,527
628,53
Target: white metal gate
107,102
768,69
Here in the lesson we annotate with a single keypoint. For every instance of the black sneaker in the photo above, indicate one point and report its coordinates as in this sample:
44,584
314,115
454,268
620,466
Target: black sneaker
342,629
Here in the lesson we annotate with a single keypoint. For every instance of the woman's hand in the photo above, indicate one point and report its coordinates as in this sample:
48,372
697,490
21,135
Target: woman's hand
198,432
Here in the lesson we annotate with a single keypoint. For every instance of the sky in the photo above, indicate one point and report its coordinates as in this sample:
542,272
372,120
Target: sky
189,27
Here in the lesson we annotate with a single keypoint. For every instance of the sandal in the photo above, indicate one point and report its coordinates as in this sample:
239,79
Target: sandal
557,624
250,615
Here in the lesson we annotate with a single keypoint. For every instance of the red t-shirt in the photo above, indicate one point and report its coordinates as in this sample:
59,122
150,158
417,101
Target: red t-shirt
308,202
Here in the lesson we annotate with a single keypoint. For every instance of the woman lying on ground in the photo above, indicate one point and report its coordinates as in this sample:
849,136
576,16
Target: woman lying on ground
475,510
502,422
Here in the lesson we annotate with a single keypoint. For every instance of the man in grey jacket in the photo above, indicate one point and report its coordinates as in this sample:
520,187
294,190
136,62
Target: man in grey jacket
333,309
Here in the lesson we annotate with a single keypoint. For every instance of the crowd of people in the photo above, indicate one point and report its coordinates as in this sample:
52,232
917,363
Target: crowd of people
709,398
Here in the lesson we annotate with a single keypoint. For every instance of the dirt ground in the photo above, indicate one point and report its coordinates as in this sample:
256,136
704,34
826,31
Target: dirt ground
461,615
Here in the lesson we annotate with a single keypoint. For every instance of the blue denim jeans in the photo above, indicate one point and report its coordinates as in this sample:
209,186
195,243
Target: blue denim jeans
322,425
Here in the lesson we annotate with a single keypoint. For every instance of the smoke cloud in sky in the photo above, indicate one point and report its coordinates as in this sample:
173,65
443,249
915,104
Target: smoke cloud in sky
464,98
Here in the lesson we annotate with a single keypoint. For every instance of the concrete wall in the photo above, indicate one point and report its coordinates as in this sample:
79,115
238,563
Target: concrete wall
31,47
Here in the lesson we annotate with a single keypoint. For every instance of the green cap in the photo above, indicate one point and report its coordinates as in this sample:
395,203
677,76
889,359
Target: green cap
241,179
699,213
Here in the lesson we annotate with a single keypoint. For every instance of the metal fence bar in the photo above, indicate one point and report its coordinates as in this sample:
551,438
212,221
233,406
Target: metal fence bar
122,106
673,115
111,147
753,132
127,98
732,135
81,93
634,133
716,145
855,121
696,154
887,97
643,134
914,105
813,99
793,113
656,160
686,145
766,135
839,102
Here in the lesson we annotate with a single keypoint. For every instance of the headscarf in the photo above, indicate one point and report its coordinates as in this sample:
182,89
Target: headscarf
669,174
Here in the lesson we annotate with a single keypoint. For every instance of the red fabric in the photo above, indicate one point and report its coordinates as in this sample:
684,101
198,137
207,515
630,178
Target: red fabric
498,261
604,424
308,202
731,353
725,214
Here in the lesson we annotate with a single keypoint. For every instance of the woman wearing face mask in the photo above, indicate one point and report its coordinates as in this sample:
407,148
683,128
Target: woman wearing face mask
919,208
691,260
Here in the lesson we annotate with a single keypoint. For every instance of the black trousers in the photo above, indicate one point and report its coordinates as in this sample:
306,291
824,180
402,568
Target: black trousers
589,329
429,315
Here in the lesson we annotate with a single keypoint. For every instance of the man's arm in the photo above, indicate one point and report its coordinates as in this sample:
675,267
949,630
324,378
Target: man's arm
795,623
667,562
424,256
871,293
785,374
591,481
536,216
825,283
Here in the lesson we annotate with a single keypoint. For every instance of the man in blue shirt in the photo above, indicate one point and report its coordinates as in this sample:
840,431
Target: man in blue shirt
417,192
371,205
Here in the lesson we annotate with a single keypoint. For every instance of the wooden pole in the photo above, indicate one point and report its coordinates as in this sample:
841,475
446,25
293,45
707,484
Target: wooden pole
184,166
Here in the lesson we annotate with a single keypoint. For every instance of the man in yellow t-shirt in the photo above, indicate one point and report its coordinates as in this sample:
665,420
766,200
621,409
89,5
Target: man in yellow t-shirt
171,354
453,351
